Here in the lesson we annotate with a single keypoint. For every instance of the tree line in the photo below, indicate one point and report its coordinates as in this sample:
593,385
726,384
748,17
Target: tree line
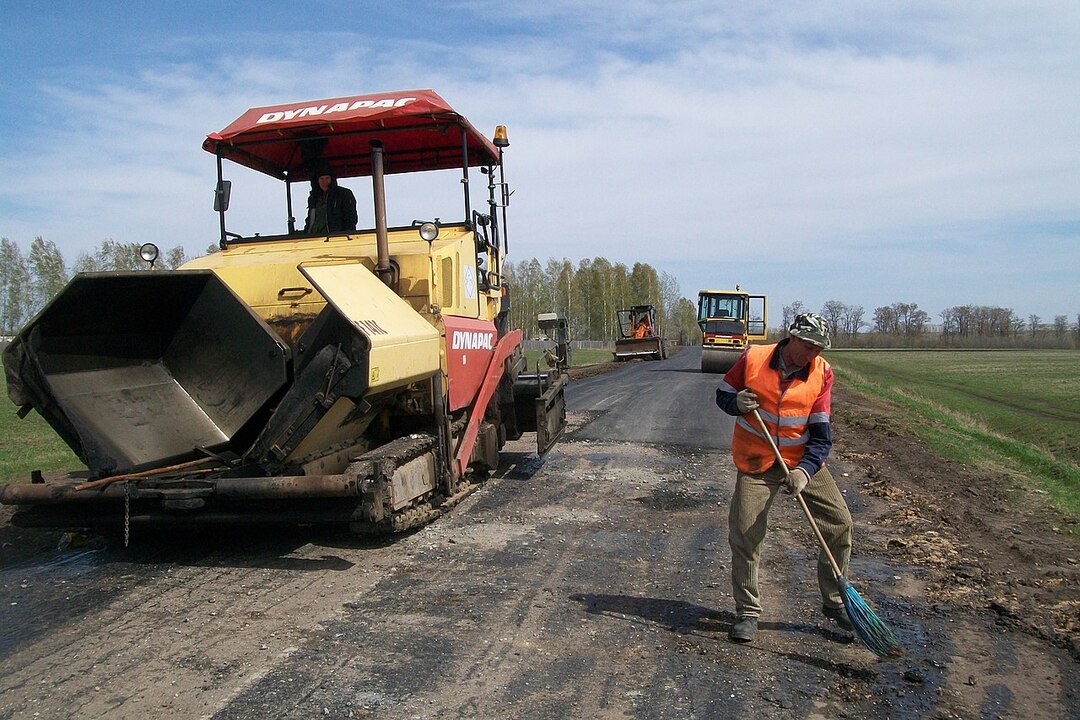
587,293
28,282
904,324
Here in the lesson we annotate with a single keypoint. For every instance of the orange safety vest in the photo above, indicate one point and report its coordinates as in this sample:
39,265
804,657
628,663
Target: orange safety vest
786,413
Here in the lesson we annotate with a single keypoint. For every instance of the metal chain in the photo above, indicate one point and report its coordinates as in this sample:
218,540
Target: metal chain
127,513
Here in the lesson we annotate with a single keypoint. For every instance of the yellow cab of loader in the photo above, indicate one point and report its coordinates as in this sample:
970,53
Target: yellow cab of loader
359,376
729,320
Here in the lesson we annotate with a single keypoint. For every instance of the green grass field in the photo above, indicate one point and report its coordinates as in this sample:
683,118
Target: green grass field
29,444
577,357
1013,412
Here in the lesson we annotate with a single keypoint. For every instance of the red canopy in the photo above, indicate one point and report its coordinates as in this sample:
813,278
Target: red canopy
418,130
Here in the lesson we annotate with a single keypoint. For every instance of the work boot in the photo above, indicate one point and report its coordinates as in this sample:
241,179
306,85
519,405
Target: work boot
743,630
839,616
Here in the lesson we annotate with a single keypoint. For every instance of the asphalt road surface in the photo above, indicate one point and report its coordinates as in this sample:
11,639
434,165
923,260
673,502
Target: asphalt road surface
669,403
591,584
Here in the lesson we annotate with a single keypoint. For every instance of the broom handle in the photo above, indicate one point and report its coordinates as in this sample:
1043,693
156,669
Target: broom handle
799,497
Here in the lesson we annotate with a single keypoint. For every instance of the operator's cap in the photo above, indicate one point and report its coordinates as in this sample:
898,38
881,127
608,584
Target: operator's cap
811,328
321,168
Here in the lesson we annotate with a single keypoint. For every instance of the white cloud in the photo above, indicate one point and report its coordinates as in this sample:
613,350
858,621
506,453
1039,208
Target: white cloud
865,153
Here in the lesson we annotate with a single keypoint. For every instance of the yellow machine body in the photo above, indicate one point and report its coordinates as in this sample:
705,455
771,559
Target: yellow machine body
267,275
729,320
366,372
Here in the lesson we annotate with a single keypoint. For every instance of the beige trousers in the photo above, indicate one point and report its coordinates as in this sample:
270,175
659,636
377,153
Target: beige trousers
748,523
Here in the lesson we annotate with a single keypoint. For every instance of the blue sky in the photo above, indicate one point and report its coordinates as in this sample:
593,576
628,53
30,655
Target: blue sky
864,152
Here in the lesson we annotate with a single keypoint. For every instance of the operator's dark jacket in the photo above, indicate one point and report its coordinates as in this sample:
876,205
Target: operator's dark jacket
340,207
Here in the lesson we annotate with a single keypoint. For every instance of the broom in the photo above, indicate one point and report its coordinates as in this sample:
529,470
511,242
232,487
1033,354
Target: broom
868,626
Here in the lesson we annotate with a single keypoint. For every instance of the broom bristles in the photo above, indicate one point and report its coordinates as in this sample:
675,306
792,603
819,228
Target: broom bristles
874,633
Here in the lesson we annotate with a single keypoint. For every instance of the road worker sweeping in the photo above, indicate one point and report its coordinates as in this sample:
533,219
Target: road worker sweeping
790,384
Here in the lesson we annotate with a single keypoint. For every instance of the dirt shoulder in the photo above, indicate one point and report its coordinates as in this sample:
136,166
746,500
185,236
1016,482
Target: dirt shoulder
587,371
983,543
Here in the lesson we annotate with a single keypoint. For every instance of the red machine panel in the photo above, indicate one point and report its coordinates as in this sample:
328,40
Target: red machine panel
470,344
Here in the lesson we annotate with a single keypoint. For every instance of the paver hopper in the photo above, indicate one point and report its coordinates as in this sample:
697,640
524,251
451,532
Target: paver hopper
359,376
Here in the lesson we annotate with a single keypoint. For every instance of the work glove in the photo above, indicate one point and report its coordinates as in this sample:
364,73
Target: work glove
796,482
745,401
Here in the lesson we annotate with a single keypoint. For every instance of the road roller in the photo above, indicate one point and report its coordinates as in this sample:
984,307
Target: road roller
729,320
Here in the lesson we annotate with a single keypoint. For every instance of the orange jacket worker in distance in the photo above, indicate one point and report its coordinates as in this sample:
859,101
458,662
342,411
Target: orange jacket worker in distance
642,328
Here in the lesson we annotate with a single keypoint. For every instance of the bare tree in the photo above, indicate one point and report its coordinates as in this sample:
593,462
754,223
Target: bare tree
949,322
853,321
963,320
834,311
913,319
885,320
790,311
1061,327
1001,319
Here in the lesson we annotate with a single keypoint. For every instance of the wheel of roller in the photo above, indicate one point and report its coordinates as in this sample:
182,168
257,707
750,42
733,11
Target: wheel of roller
718,361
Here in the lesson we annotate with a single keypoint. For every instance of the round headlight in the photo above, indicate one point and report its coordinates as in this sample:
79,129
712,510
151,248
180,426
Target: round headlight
149,252
429,231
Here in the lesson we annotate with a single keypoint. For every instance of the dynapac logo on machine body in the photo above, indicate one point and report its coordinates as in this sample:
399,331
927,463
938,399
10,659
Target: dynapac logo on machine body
464,340
316,110
470,345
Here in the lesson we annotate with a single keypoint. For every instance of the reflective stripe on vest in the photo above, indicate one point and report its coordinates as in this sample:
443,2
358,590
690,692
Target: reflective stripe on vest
786,413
